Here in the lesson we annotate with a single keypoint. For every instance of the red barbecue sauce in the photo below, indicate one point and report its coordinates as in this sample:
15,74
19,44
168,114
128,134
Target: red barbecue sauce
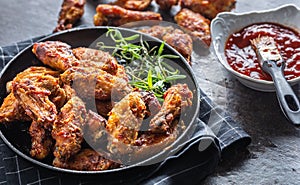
242,58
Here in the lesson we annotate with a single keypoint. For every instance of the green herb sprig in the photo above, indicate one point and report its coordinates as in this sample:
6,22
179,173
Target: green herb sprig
145,66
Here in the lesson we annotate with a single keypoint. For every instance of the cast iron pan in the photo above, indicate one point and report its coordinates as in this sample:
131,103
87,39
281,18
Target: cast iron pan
16,136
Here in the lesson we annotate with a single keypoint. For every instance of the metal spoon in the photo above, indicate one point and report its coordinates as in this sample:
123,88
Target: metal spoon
272,63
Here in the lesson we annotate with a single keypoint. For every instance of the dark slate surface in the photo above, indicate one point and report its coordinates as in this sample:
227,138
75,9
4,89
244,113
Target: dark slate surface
274,155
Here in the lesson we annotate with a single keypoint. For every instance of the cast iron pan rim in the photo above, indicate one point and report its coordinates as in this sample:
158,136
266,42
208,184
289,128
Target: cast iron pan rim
192,121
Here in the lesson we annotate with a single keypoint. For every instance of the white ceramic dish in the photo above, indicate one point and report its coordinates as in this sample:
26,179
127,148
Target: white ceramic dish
227,23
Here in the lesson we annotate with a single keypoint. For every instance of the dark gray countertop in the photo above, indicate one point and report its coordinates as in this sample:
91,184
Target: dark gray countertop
274,154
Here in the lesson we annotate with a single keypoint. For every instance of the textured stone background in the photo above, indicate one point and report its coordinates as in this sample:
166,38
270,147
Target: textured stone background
274,154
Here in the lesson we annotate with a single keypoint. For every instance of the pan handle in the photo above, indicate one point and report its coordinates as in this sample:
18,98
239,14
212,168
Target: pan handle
288,101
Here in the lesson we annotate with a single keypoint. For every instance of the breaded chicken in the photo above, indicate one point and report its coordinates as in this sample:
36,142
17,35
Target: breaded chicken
116,16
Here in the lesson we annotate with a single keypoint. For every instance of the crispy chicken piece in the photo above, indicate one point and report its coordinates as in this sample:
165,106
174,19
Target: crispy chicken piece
34,93
176,38
96,58
133,4
116,16
96,134
92,82
41,140
11,110
180,41
71,11
176,99
195,24
87,160
55,54
68,129
166,4
158,31
126,118
209,8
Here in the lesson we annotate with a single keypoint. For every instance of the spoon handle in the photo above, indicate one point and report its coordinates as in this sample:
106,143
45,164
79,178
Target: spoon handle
288,101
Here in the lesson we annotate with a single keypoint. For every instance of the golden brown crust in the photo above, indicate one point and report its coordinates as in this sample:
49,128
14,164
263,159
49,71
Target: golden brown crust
96,58
41,141
55,54
166,4
126,118
116,16
133,4
95,83
176,38
11,110
208,8
68,129
176,99
34,92
195,24
71,11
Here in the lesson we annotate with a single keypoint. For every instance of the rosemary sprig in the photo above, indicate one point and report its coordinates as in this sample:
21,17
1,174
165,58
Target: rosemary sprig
145,66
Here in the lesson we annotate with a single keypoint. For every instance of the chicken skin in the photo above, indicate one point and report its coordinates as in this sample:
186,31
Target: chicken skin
92,82
96,58
208,8
87,160
176,38
34,93
71,11
166,4
41,141
126,118
176,99
133,4
195,24
11,110
55,54
116,16
68,129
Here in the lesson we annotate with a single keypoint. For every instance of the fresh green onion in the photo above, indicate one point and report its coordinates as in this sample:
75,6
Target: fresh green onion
145,66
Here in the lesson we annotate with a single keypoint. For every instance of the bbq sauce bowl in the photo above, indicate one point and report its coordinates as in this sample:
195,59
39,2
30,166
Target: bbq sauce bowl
226,27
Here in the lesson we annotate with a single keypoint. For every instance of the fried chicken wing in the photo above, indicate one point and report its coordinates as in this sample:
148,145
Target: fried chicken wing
55,54
68,129
209,8
71,11
92,82
41,140
195,24
87,160
34,94
166,4
116,16
133,4
96,58
126,118
176,99
176,38
11,110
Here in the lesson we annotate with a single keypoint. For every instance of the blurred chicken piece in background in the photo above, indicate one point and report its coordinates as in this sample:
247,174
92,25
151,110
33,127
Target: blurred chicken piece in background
71,11
133,4
113,15
208,8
